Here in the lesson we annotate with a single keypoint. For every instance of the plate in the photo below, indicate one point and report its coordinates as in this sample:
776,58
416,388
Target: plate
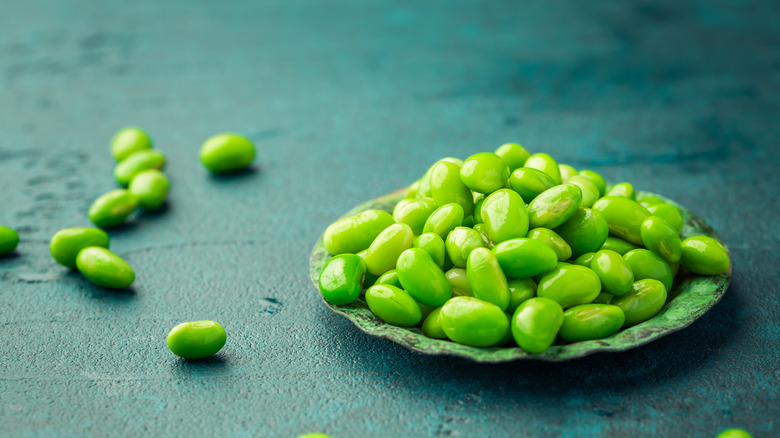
691,296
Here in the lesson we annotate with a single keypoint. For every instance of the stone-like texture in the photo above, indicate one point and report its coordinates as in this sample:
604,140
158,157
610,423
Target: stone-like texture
349,100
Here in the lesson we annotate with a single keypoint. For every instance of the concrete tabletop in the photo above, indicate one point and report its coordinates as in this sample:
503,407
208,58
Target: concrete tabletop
346,101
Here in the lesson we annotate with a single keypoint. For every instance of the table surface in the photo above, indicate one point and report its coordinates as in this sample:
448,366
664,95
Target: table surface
348,100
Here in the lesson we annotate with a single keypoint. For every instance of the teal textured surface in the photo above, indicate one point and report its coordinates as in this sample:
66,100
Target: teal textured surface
347,101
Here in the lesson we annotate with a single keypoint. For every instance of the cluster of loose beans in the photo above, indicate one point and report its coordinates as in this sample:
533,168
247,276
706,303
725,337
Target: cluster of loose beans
139,171
511,248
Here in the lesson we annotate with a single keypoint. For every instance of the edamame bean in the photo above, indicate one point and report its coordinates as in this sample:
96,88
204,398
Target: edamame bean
66,244
734,433
370,278
590,192
586,231
225,153
196,339
127,169
128,141
104,268
9,240
425,310
393,305
649,200
523,258
566,171
569,285
412,190
355,233
471,321
529,183
388,245
422,278
623,190
447,187
476,215
553,240
535,324
424,189
112,208
314,435
591,321
618,245
704,256
662,238
670,213
546,164
646,264
459,280
151,188
484,172
460,242
414,213
432,327
613,271
554,206
585,259
433,245
504,216
597,179
487,280
642,302
486,242
389,278
444,219
341,279
520,290
623,216
513,155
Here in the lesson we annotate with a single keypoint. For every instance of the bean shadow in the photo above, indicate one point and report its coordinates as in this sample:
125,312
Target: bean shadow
670,358
239,175
209,366
101,294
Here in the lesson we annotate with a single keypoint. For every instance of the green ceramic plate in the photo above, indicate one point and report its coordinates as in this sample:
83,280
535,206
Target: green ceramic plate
691,296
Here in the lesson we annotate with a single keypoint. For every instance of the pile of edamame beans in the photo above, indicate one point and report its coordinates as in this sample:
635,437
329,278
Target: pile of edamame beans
509,247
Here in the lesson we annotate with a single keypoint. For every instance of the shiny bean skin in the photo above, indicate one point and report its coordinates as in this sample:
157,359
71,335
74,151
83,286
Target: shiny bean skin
642,302
704,256
569,285
591,321
383,252
355,233
459,244
614,272
513,155
422,278
546,164
433,245
471,321
529,183
487,280
623,216
504,216
444,219
447,187
535,324
341,279
662,238
586,231
393,305
524,258
646,264
554,206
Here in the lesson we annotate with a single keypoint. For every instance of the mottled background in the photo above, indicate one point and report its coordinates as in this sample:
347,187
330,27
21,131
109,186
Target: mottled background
348,100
